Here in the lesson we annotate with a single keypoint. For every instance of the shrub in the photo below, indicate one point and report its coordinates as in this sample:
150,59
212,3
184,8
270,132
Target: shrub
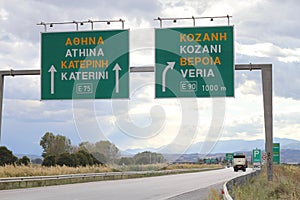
24,161
7,157
49,161
67,159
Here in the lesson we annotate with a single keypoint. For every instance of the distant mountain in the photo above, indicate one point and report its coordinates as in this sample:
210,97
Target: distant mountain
289,156
132,152
286,156
227,146
30,156
294,146
223,146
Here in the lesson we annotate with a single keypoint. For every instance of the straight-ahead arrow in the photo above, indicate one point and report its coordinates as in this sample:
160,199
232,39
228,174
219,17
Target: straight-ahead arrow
169,66
52,70
117,68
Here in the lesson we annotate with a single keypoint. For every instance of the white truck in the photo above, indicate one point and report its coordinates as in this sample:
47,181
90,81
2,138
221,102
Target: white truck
239,162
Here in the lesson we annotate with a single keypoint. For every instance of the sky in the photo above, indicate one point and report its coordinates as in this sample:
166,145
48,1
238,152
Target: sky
265,32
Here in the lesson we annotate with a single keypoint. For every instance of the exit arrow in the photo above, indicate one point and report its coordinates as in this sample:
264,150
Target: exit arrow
52,70
117,68
169,66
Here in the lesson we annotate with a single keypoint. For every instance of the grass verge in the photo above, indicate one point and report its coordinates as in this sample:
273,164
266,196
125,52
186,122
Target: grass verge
285,185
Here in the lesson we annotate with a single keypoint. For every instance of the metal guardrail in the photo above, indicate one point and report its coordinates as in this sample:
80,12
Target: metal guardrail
226,195
241,180
15,182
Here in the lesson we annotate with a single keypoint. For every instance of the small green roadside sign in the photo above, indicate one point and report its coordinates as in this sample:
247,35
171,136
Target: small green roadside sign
194,62
85,65
256,156
276,153
229,156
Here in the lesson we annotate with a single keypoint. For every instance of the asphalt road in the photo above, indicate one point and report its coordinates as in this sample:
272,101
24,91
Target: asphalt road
173,187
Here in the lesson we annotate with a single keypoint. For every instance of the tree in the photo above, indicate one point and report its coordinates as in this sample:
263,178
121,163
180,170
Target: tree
142,160
67,159
84,158
126,161
37,161
148,157
108,149
59,151
24,161
7,157
49,161
103,151
47,143
99,158
55,145
200,161
86,146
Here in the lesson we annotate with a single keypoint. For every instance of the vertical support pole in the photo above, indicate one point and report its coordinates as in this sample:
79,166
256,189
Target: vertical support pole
1,101
160,22
122,23
268,115
194,23
228,20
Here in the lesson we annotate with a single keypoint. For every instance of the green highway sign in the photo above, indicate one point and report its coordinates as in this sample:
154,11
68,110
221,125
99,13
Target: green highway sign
194,62
229,156
276,153
85,65
256,156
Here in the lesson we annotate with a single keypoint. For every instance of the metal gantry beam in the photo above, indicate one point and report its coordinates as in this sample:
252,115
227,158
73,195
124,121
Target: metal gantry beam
266,71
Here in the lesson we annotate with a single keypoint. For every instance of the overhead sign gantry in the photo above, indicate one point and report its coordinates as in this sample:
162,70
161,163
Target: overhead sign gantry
71,60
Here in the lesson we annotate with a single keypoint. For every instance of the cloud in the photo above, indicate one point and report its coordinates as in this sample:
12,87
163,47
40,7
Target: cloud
250,87
262,25
17,53
247,128
36,111
285,55
286,118
244,116
22,87
3,14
